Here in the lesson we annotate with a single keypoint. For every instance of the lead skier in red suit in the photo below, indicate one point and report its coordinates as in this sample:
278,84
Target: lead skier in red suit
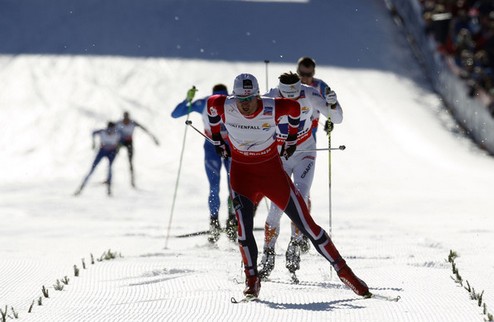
256,171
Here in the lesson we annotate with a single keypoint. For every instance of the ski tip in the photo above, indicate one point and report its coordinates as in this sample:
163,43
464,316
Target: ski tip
246,299
382,297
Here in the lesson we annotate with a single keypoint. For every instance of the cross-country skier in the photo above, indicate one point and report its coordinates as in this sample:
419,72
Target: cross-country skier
306,69
301,166
109,139
256,171
212,163
126,127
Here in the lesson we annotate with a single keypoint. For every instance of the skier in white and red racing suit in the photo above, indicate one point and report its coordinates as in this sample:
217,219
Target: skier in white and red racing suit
256,171
300,166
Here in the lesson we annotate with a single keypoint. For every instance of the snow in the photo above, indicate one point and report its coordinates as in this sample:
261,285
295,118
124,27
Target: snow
408,188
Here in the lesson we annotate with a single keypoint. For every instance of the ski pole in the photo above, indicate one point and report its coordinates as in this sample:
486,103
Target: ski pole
341,147
266,62
329,184
189,123
267,86
190,97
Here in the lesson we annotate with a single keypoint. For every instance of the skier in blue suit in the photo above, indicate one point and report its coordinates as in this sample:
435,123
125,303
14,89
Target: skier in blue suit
109,141
212,162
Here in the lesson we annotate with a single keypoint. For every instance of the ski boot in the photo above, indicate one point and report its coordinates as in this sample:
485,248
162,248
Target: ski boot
293,259
293,255
267,263
352,281
301,239
304,245
214,231
231,227
132,176
79,190
252,286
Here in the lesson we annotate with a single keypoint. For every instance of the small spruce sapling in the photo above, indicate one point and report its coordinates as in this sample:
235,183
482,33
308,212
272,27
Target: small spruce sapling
14,313
4,314
58,286
468,288
45,292
65,280
31,307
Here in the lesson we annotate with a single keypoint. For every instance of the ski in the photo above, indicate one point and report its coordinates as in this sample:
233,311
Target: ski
246,299
197,233
205,232
383,297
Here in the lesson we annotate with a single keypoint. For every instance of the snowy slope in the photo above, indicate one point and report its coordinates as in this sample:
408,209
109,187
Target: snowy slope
406,191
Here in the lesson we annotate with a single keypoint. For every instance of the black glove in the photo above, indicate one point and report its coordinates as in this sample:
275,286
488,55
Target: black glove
328,126
222,149
289,146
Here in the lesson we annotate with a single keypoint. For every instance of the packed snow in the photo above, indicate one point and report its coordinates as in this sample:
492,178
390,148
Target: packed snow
408,189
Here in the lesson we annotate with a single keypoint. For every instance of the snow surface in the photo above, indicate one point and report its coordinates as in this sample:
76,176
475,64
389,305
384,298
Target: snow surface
408,189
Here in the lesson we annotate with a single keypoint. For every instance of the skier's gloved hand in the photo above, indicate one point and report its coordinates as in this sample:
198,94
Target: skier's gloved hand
328,126
331,98
289,146
191,93
222,149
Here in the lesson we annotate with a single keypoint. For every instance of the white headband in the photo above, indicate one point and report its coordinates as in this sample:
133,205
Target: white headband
290,90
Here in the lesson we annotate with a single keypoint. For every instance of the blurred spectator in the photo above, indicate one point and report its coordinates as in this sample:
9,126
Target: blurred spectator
464,30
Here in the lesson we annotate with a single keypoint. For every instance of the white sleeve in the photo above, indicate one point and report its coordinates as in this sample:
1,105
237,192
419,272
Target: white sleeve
320,104
317,102
336,114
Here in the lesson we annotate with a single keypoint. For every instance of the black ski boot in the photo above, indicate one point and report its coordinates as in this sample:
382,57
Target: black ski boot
231,227
214,231
293,256
267,263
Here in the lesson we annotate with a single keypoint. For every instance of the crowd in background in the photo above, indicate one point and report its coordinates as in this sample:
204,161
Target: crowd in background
464,31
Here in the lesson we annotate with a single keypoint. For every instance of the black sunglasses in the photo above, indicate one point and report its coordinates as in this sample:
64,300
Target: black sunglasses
305,74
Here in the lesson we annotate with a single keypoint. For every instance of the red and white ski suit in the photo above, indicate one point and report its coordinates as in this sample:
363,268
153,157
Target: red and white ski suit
256,171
